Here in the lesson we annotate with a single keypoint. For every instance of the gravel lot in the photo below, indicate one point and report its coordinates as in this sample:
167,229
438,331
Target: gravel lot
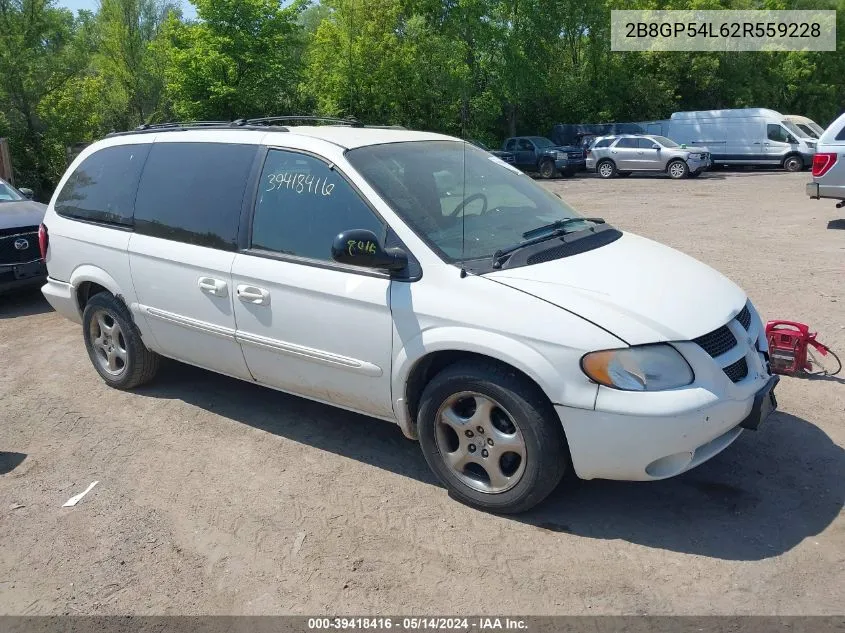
216,496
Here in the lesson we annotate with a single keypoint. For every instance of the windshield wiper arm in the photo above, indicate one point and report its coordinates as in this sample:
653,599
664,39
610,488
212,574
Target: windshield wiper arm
559,224
543,233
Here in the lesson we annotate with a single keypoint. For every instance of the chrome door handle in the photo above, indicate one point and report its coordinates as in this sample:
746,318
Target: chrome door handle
254,295
212,286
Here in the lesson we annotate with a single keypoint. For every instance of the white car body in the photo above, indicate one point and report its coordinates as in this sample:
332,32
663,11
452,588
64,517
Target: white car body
353,340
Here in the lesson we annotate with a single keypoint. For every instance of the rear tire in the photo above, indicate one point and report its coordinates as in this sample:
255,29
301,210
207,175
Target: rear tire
677,169
114,343
547,170
793,164
491,437
606,169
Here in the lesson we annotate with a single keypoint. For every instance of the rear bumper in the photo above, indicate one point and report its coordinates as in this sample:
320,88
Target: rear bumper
817,190
62,297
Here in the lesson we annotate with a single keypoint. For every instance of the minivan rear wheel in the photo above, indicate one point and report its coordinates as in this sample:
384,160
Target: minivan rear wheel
793,163
114,344
606,169
491,437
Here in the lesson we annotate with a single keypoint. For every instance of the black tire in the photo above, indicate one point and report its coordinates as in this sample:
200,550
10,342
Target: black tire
677,169
547,169
606,169
546,453
139,365
793,163
624,174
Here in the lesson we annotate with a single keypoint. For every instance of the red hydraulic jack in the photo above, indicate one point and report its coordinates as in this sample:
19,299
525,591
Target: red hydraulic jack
794,351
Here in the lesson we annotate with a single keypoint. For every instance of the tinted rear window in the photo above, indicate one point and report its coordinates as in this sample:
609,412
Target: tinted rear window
605,142
103,187
193,192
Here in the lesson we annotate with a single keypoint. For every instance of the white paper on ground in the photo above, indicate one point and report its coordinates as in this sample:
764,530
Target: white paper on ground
77,498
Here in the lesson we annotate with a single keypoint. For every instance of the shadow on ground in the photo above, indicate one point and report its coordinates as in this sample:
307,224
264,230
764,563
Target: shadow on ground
10,461
769,491
838,224
21,303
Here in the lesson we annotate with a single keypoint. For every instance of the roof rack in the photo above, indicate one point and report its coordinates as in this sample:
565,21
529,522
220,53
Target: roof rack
270,120
257,123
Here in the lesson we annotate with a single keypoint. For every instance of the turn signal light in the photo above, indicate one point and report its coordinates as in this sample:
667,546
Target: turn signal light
823,162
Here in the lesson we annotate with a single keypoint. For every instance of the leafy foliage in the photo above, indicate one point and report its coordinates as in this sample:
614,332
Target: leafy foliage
480,69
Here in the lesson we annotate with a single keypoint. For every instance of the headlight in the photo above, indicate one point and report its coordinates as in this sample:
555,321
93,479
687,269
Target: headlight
644,368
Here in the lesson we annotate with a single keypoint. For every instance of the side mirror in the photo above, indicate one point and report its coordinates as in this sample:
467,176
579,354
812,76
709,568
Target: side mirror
29,194
360,247
656,146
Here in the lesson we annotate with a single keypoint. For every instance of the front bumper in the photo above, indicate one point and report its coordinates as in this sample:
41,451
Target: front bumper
16,276
665,434
699,164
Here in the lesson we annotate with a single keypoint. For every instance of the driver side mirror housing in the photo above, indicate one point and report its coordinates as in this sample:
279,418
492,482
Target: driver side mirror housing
361,247
656,146
29,194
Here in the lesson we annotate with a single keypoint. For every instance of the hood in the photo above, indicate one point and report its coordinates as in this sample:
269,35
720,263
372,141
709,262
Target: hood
639,290
21,213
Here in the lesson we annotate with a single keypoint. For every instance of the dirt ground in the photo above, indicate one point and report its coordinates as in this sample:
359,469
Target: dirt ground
219,497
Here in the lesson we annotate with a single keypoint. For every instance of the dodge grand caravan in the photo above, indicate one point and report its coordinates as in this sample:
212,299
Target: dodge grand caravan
414,278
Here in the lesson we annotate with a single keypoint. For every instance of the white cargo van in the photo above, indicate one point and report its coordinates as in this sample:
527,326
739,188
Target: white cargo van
749,136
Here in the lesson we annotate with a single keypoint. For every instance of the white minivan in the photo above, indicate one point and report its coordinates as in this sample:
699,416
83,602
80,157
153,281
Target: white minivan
746,136
411,277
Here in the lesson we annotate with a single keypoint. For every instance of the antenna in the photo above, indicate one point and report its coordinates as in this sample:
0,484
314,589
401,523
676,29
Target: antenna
464,213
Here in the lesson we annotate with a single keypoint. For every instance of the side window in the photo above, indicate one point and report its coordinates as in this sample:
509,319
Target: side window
605,142
646,143
776,133
525,145
626,143
103,187
511,145
193,193
303,204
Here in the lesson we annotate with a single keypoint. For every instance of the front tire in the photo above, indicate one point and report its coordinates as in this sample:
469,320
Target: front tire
491,437
793,164
114,344
606,169
547,170
677,169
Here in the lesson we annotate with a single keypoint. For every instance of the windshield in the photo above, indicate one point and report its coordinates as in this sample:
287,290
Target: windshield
665,142
541,142
808,131
789,125
8,193
447,191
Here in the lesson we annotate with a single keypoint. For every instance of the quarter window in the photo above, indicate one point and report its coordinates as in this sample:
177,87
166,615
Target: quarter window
193,192
605,142
103,187
302,206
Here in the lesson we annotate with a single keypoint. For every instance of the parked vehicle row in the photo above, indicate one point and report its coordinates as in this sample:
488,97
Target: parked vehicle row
370,268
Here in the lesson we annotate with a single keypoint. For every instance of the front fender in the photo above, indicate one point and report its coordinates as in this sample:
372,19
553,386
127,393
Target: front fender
561,381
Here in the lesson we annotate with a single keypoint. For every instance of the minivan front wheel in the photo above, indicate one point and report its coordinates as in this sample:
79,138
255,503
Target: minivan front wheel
491,438
114,344
547,169
793,163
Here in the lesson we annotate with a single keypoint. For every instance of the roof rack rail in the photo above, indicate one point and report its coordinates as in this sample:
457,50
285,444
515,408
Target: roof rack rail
270,120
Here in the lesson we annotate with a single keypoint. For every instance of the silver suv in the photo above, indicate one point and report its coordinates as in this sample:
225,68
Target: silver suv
829,164
612,156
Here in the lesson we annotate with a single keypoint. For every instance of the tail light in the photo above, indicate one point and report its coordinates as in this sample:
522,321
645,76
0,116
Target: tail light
823,162
587,151
43,240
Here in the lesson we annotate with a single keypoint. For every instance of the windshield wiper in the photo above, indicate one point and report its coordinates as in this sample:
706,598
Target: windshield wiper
538,235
